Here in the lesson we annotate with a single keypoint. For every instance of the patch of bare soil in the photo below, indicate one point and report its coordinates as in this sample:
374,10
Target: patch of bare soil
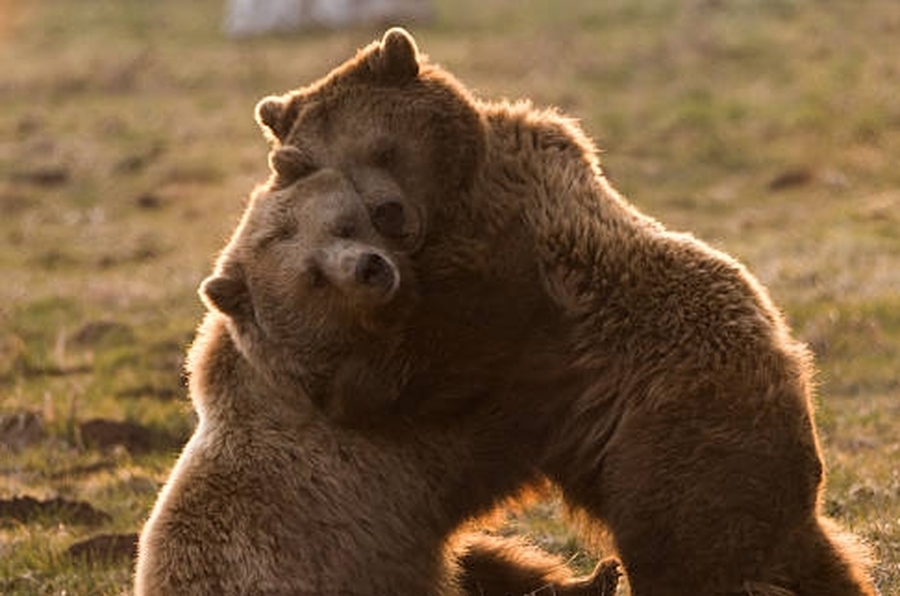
27,509
151,391
97,332
103,434
105,548
44,176
22,429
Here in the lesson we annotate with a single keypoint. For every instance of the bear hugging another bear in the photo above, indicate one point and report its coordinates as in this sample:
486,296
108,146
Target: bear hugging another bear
269,497
646,374
528,322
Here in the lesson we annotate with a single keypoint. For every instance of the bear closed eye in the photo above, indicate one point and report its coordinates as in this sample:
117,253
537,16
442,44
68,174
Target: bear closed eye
388,218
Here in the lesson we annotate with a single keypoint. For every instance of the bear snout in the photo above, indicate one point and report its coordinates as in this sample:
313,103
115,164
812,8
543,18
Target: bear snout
376,272
363,273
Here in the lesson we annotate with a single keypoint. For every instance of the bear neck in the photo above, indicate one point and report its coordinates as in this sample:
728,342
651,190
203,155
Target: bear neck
225,385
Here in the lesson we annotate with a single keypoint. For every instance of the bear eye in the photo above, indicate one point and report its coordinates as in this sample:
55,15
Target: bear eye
282,233
384,156
285,232
389,219
344,228
315,276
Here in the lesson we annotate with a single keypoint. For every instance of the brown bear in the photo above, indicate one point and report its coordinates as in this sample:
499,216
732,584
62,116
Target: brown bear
269,497
647,374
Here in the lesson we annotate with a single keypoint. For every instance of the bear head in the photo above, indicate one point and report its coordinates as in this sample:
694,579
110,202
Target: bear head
312,293
390,110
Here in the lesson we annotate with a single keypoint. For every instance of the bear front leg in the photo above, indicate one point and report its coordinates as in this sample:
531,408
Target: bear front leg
495,566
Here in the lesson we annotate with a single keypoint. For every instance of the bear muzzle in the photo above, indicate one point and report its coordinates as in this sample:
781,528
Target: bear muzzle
375,271
364,274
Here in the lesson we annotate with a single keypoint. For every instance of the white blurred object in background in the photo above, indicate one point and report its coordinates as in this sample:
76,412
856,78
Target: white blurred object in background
250,17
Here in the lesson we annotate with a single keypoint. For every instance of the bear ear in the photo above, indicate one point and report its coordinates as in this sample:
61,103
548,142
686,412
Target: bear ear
396,60
228,294
275,115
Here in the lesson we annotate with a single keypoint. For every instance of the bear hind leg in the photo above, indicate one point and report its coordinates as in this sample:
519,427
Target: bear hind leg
823,560
495,566
818,560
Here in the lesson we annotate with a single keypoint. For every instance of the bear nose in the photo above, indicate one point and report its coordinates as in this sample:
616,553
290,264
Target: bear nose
373,270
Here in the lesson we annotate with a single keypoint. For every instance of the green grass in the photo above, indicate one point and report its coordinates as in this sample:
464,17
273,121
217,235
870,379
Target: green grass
144,112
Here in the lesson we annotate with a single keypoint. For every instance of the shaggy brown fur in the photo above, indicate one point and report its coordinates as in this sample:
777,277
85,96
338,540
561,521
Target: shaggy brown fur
271,498
648,374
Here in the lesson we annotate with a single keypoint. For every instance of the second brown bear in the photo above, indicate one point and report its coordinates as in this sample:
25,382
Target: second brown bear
649,375
269,498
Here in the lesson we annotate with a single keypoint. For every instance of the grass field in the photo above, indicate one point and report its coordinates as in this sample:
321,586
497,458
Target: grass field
127,145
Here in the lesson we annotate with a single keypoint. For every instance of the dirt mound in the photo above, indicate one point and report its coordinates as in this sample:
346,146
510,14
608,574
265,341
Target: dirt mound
28,509
105,548
22,429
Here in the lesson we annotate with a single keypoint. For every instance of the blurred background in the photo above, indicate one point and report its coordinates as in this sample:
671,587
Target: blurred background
769,128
